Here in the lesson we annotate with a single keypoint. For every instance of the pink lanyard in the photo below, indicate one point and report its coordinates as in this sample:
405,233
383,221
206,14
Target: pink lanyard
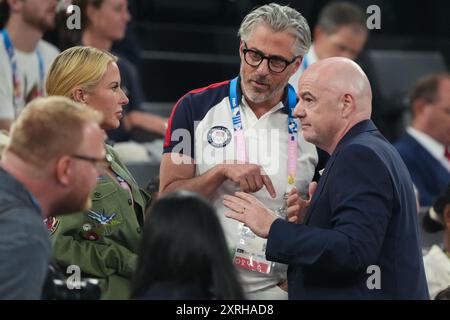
292,130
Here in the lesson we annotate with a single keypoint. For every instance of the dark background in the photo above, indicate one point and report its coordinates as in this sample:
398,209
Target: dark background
189,44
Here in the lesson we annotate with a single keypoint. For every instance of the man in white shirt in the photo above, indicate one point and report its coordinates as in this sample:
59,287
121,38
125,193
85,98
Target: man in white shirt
24,56
425,146
240,135
340,32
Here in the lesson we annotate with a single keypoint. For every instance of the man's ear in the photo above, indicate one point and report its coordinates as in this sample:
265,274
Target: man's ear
348,105
418,107
297,63
318,33
63,170
79,95
241,47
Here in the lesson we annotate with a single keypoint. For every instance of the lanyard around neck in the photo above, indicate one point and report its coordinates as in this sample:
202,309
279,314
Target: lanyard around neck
17,90
292,129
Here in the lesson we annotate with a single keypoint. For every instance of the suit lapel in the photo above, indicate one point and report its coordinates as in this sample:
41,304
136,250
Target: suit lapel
363,126
322,181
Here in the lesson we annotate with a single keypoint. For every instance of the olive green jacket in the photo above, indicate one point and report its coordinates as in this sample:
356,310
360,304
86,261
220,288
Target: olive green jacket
104,241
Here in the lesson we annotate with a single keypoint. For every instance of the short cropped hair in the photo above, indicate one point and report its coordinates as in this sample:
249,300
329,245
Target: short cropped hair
339,14
427,88
49,128
279,18
77,66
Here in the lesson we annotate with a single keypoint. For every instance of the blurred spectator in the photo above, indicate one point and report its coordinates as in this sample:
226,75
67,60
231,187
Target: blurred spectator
24,56
437,260
425,145
340,32
43,173
104,241
103,23
183,254
4,138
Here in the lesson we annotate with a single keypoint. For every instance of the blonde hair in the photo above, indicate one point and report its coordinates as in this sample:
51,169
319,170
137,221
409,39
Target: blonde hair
49,128
77,66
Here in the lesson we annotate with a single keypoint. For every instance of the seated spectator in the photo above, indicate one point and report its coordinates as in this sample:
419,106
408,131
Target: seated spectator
102,242
24,56
425,145
340,32
103,23
437,260
48,168
183,254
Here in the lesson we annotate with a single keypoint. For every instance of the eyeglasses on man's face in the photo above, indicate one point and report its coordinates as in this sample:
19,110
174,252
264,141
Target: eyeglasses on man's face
101,164
276,64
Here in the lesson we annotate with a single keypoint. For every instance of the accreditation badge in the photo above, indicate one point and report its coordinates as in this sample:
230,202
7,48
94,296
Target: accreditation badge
250,253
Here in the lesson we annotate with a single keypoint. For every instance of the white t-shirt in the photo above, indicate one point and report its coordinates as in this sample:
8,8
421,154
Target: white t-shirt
28,70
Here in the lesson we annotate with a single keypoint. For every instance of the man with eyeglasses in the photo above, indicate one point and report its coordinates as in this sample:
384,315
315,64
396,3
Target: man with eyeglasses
240,135
49,167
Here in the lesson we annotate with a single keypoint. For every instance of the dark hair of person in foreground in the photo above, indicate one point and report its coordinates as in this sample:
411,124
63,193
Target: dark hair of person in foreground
184,254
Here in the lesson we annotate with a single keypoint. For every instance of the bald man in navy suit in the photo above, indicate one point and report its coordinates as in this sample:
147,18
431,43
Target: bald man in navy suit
359,238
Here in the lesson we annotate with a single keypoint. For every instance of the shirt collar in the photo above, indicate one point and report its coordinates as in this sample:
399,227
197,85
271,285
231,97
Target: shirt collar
435,148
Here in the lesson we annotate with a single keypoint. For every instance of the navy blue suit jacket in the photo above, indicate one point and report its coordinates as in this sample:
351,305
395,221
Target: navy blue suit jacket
427,173
363,213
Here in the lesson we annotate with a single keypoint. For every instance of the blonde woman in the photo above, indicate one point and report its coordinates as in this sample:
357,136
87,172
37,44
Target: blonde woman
103,242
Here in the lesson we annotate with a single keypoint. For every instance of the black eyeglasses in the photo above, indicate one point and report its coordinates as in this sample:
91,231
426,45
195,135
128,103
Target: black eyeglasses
102,164
276,64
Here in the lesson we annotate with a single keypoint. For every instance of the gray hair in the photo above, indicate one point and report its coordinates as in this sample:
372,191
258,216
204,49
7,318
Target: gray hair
279,18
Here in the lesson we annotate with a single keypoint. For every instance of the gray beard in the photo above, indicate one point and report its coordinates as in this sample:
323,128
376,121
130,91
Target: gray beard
257,97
